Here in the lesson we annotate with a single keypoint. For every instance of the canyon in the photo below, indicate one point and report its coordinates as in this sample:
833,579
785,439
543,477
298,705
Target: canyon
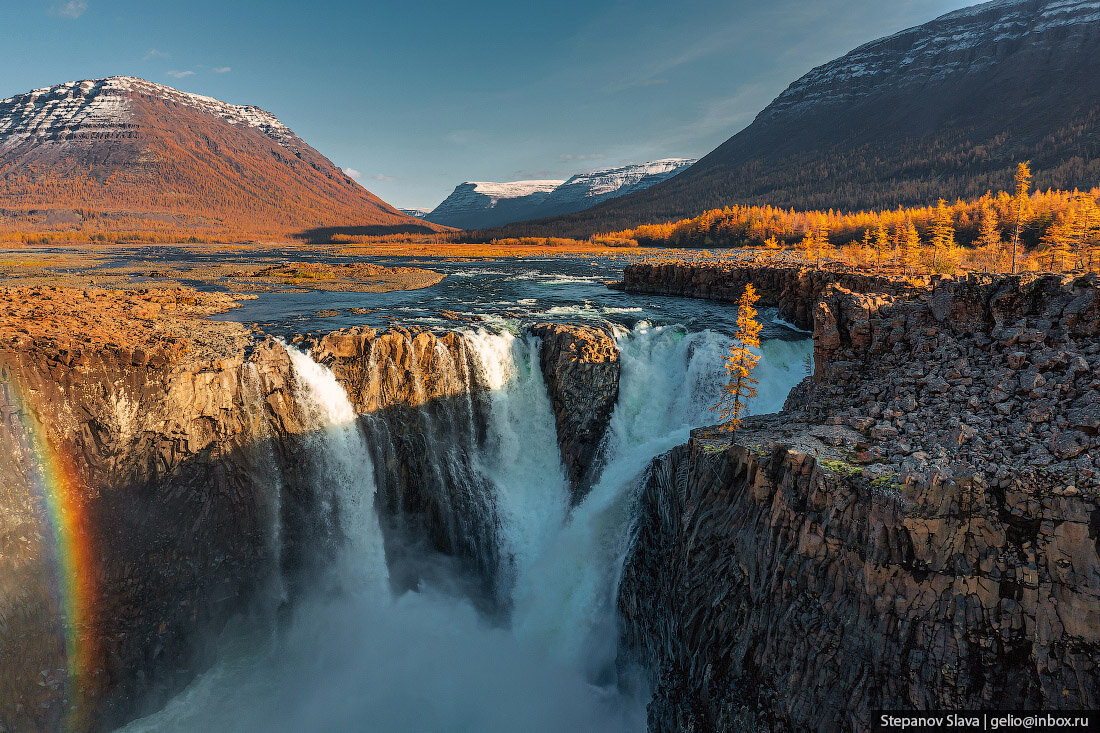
917,528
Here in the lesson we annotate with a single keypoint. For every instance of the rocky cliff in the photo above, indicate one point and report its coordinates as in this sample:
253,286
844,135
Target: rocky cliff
139,499
163,478
918,529
581,368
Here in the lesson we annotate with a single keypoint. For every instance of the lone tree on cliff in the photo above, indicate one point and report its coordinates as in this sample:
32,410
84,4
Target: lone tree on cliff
734,403
1019,202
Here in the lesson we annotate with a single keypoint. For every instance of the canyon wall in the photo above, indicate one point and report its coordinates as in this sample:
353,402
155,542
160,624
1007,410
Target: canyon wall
918,529
164,478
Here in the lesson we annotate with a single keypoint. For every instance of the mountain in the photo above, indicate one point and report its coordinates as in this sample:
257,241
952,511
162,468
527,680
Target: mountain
585,190
123,153
415,213
479,205
942,109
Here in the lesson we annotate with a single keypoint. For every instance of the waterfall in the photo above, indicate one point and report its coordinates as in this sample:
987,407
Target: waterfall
343,470
260,428
424,656
433,488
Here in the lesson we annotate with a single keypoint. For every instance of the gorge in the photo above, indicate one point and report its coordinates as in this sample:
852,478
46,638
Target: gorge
467,526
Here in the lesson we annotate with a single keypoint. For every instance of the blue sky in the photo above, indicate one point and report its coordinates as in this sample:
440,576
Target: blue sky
419,96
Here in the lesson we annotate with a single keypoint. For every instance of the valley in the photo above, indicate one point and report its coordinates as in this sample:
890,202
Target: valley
800,433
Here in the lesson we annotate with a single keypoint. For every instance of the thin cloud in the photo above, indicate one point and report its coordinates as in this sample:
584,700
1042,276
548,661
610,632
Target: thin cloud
574,156
352,173
180,74
155,53
222,69
383,177
71,10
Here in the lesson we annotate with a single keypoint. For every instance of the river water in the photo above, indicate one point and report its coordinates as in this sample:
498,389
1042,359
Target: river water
358,656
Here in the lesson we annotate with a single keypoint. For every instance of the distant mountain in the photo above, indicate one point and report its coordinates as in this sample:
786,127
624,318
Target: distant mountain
476,205
122,153
416,213
943,109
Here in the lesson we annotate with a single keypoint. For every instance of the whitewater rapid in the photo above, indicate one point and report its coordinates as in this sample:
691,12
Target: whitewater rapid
363,658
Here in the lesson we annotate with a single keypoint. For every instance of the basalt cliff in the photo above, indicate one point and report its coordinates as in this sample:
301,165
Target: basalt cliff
919,528
162,480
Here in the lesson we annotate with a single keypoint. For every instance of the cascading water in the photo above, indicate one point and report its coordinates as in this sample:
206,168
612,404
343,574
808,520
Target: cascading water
428,660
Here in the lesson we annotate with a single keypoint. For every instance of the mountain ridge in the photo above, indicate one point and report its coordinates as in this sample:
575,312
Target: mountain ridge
946,108
479,204
125,153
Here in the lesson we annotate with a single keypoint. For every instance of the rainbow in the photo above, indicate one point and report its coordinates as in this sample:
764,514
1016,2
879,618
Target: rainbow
58,488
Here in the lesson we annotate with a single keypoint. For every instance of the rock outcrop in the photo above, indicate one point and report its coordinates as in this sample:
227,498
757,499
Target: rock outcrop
934,545
792,289
423,403
581,367
138,500
772,590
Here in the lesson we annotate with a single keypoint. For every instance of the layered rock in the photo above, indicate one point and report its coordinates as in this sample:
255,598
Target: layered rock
929,542
423,403
769,590
138,503
581,367
792,289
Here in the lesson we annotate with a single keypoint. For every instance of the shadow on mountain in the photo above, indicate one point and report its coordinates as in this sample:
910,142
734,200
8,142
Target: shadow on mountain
324,235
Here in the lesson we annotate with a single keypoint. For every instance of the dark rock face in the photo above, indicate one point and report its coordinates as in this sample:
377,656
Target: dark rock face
171,462
793,290
771,590
946,556
581,367
423,404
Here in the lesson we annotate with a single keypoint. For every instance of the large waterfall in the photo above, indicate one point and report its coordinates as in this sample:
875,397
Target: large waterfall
367,655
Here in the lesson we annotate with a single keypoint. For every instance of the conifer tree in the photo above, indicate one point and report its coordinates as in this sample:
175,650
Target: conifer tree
989,236
942,235
733,405
1019,203
882,243
1057,242
910,245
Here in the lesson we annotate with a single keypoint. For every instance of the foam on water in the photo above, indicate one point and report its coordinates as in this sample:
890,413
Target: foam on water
426,660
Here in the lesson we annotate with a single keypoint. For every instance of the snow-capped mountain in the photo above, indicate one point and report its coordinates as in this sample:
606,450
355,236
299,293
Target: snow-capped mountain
143,153
946,108
478,204
482,204
964,42
588,189
96,108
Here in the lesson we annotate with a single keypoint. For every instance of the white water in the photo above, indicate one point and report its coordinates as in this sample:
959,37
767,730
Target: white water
345,471
261,429
426,661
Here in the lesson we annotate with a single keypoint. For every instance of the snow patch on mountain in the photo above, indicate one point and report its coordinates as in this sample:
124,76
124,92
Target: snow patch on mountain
94,107
483,204
512,189
961,42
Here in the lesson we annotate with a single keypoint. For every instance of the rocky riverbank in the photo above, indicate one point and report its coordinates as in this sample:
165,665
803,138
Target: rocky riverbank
919,528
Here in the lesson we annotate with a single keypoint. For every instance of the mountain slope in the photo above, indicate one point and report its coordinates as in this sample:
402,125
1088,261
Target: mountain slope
123,153
475,205
943,109
585,190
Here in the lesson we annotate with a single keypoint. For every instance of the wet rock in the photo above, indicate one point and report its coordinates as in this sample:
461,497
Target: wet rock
581,367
